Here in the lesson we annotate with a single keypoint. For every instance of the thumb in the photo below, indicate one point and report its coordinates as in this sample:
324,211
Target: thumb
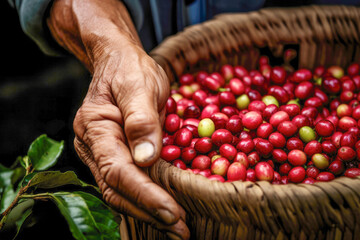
143,128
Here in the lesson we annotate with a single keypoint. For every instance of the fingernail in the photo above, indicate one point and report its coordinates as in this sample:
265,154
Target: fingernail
173,236
166,216
143,152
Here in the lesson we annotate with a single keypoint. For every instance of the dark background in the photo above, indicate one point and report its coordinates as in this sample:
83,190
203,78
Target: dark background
39,94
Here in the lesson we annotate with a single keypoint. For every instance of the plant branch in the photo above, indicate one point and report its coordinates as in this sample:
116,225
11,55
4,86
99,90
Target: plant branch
12,205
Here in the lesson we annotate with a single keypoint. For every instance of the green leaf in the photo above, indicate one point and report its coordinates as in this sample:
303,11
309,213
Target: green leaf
18,162
44,152
88,217
52,179
5,177
18,215
7,197
21,220
7,193
17,175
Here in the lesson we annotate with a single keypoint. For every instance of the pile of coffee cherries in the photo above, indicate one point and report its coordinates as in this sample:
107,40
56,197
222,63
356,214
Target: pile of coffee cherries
268,124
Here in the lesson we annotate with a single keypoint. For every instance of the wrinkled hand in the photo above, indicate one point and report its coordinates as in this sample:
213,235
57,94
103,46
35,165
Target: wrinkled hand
118,126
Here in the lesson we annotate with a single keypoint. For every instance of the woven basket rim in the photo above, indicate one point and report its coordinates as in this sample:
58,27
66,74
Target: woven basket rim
341,179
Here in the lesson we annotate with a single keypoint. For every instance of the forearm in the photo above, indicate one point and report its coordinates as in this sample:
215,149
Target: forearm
92,29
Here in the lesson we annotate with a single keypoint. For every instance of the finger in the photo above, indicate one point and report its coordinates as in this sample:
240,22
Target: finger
116,167
142,127
174,231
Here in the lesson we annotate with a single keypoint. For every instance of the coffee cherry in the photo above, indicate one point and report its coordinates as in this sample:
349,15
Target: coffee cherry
301,121
302,75
264,172
284,168
192,112
237,87
312,172
337,167
309,180
269,111
257,106
312,148
291,109
221,136
179,164
216,178
201,162
297,174
324,128
278,118
307,134
220,166
304,90
170,106
170,153
253,158
352,172
346,154
243,101
287,128
264,130
321,161
236,171
246,145
203,145
172,123
331,85
228,151
219,119
277,140
279,155
278,75
252,120
205,173
294,143
297,157
328,147
206,127
325,177
241,157
264,147
183,137
234,125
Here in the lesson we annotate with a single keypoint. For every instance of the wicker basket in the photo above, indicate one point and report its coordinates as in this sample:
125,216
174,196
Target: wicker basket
324,35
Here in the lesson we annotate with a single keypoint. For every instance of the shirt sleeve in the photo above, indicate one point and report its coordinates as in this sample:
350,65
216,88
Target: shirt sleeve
32,16
136,12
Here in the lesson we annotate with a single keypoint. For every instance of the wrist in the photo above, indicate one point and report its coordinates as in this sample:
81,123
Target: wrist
92,29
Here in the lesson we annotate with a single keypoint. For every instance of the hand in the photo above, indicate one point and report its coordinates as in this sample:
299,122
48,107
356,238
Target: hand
118,126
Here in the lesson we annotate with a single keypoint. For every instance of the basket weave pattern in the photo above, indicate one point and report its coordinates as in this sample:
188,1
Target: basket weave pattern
325,35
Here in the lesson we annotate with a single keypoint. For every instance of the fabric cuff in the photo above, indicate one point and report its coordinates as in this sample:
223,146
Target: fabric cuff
32,14
136,12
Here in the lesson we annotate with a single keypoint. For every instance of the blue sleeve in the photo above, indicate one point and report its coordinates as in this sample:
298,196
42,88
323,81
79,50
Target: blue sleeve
32,15
32,20
136,12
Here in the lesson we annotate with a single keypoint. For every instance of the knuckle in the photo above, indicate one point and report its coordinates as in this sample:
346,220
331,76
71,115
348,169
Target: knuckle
139,124
111,198
80,122
82,150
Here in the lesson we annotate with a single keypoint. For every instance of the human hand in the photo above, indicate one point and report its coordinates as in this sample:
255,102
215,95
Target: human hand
118,126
